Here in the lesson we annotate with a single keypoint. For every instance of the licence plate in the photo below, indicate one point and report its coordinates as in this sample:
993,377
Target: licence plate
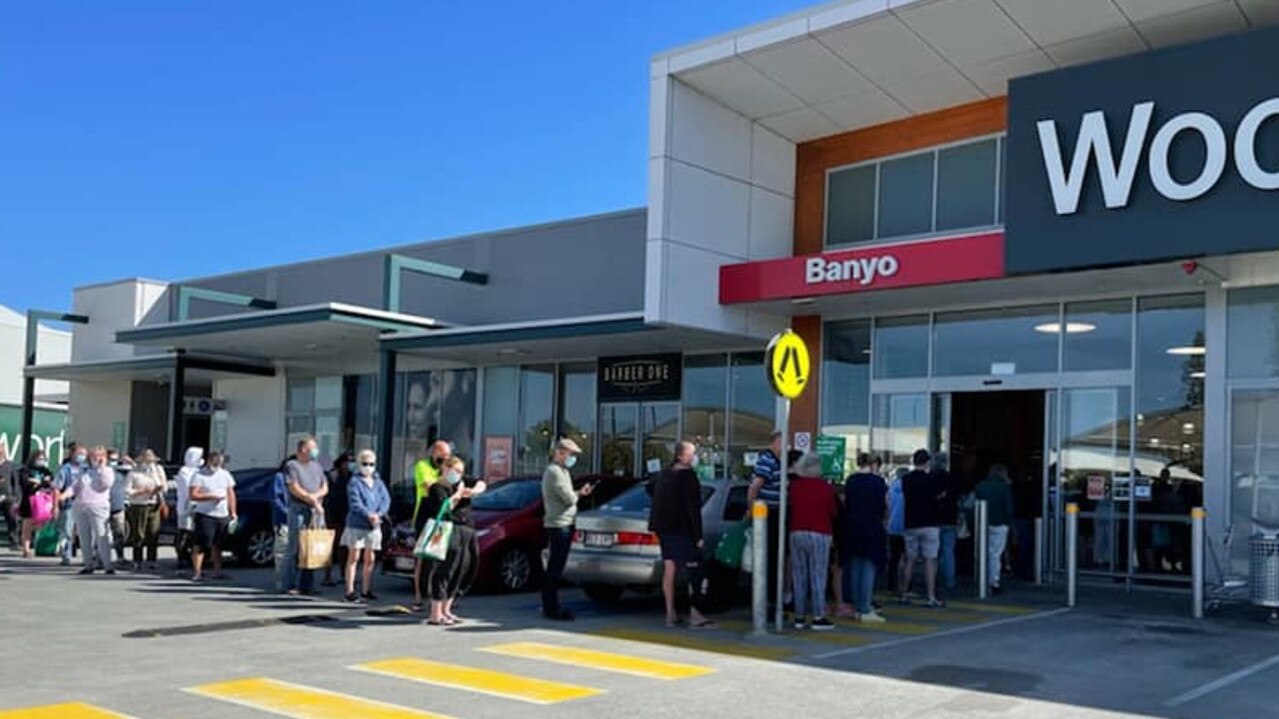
602,540
404,564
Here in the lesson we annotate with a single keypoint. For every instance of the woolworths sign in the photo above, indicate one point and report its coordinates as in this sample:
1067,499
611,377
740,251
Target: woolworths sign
49,435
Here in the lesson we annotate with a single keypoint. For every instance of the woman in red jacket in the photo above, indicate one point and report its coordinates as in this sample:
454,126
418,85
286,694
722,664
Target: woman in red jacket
813,511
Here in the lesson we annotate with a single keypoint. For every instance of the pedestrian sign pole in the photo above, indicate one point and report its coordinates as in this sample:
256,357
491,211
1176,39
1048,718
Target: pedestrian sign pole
789,368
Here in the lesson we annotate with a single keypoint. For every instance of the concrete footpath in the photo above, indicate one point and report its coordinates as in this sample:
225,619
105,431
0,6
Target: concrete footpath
157,646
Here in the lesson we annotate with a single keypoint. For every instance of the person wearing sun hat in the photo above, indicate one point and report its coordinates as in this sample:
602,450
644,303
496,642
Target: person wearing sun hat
559,499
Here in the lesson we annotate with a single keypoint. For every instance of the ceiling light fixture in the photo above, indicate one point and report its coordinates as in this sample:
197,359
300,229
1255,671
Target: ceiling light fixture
1072,328
1187,351
804,301
1198,375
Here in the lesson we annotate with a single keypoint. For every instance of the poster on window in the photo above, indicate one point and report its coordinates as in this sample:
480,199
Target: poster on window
438,405
497,458
1096,487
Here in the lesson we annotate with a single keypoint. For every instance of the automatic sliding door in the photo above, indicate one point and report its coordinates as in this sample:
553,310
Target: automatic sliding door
659,431
900,425
617,433
1096,473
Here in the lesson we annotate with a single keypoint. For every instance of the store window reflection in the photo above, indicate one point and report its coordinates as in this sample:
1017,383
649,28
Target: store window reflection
901,347
1252,332
537,421
705,419
437,405
577,412
1098,335
1254,470
901,427
752,411
1014,340
845,385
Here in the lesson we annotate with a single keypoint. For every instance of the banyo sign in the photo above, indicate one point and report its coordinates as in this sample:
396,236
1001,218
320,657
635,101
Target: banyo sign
1163,156
1117,174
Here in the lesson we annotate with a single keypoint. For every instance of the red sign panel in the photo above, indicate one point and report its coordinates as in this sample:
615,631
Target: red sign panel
498,458
932,262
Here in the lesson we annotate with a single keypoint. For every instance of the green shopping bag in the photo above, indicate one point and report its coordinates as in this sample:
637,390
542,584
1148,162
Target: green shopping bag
732,545
46,540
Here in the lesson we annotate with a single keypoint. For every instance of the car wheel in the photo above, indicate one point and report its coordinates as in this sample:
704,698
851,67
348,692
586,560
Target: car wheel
259,548
515,570
603,593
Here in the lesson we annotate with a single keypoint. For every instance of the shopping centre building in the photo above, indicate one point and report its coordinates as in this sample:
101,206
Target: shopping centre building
1028,232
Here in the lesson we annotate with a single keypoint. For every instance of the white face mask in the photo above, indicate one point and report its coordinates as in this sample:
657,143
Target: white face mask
366,471
453,476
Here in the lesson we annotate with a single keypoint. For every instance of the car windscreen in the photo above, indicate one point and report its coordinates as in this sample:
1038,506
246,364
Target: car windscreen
637,499
508,496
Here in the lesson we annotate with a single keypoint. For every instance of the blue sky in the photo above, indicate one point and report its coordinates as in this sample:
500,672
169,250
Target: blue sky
173,139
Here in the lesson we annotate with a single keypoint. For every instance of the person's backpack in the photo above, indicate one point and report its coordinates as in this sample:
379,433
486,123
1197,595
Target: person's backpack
279,500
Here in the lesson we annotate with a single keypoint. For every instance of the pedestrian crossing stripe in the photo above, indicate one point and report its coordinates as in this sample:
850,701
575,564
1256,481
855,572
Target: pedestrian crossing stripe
301,702
68,710
605,661
703,644
482,681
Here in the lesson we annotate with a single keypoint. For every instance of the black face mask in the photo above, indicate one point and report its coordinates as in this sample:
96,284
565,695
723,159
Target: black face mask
437,461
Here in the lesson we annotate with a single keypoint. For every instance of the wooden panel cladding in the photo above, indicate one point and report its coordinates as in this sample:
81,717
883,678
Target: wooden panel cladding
814,158
804,410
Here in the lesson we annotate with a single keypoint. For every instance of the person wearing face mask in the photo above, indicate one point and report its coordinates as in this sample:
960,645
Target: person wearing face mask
444,499
191,462
676,519
91,505
32,479
68,475
464,546
335,509
119,526
559,501
308,486
213,494
367,502
146,486
427,471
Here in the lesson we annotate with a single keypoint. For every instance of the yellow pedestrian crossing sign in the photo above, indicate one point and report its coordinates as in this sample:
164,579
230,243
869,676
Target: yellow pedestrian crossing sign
789,365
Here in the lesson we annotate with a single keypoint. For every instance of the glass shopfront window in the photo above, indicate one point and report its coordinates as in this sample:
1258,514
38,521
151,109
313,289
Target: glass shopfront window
845,383
1018,340
537,421
1170,392
1254,469
577,412
705,409
901,347
313,406
751,412
1098,335
901,427
1252,333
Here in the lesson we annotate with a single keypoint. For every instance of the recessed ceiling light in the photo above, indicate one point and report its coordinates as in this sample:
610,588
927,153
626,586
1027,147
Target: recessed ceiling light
1198,375
1072,328
803,301
1187,351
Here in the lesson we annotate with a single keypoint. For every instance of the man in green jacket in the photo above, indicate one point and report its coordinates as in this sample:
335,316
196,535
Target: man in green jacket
998,495
559,500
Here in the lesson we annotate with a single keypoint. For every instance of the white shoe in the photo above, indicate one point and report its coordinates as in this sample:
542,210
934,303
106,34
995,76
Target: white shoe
871,618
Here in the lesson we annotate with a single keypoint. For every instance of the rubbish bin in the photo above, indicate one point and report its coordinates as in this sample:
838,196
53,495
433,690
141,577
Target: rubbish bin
1264,550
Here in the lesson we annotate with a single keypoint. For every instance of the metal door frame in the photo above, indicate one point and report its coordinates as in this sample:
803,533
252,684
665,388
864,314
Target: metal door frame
637,436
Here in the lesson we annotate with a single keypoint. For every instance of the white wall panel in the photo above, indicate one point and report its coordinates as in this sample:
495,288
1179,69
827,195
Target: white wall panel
691,279
95,409
772,161
707,134
255,420
772,225
707,210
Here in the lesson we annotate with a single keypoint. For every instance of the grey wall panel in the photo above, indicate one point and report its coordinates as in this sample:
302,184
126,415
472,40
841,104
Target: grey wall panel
592,265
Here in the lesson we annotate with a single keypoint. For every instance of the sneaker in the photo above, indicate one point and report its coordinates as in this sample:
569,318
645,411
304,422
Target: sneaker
822,624
800,623
86,571
352,598
110,572
369,597
935,604
872,618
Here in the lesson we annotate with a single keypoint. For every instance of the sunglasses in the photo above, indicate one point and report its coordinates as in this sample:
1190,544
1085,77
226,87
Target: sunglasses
368,464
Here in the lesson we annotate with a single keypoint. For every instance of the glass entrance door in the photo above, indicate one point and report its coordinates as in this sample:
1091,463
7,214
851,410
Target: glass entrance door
1095,471
638,439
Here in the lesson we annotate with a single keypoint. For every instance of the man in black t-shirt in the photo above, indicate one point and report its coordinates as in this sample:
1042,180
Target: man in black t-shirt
920,494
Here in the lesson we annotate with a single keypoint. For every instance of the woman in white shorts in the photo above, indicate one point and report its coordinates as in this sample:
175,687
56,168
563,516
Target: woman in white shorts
369,503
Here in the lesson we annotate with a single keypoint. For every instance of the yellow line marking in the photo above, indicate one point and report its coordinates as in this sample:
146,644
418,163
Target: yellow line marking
949,614
737,649
1010,609
606,661
482,681
69,710
299,702
830,637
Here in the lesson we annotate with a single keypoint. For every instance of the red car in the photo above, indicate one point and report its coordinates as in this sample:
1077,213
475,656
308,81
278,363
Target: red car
508,520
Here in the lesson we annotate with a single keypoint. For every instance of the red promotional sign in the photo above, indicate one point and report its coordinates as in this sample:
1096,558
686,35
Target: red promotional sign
931,262
497,458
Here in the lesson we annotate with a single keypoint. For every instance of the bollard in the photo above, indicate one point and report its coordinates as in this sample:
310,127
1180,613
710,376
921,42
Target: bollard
1039,551
759,568
982,545
1072,552
1197,516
